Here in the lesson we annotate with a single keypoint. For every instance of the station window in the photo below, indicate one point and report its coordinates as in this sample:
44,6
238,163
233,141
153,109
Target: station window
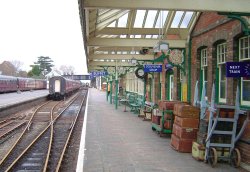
244,55
221,62
204,65
244,48
171,87
140,87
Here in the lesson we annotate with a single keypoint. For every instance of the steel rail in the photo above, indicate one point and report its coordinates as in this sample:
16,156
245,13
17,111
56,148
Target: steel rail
31,144
27,126
3,121
50,141
5,124
52,133
12,129
68,138
41,133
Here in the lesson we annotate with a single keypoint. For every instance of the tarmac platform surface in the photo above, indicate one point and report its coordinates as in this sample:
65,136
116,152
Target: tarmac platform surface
9,99
118,141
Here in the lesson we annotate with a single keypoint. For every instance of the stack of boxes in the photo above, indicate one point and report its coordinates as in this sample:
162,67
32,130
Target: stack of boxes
185,127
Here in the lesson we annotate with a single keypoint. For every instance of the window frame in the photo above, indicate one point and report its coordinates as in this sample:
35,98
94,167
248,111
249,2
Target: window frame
241,59
203,56
171,86
221,51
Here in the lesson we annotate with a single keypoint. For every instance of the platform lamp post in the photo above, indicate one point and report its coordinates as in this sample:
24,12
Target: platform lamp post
116,85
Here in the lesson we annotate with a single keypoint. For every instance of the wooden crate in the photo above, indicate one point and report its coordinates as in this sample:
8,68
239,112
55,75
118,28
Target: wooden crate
185,133
186,111
198,151
186,122
181,145
156,119
167,105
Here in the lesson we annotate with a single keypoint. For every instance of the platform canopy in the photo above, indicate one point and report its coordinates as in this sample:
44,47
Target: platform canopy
115,31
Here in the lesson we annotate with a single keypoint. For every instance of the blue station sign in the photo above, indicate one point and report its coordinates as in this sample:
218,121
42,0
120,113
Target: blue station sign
98,73
153,68
238,69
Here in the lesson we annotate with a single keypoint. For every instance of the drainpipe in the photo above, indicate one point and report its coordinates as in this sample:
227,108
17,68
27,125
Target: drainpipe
189,70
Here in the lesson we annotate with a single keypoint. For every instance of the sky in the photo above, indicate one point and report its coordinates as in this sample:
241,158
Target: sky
33,28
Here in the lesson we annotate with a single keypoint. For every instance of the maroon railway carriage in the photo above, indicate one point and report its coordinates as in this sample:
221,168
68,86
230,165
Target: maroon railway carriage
8,84
60,87
12,84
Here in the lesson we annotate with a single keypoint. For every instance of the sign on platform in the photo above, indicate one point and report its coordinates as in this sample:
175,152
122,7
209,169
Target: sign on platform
153,68
238,69
98,73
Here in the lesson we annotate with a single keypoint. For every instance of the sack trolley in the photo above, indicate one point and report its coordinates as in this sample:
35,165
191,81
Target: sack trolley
230,132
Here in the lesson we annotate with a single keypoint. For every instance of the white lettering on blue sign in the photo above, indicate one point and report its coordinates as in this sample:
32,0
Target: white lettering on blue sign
234,67
234,71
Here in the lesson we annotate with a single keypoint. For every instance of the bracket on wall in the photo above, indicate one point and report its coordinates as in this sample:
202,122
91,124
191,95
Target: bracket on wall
173,59
239,16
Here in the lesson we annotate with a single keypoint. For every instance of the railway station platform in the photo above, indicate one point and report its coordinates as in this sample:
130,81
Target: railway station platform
118,141
18,100
9,99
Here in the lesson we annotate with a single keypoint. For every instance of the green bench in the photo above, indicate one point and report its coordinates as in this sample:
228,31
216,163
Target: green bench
136,104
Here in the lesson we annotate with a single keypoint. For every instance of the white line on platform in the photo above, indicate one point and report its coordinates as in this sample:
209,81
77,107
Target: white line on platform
80,160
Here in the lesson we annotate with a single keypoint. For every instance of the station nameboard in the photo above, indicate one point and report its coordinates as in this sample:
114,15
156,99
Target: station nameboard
238,69
98,73
153,68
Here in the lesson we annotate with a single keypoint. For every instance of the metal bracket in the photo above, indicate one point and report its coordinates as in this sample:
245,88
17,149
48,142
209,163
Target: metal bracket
166,56
238,16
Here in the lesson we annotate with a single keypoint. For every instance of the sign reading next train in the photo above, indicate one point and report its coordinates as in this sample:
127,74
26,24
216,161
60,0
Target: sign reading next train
238,69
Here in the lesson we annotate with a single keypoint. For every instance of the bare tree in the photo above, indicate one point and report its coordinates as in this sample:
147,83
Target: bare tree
71,70
67,70
57,70
17,64
64,70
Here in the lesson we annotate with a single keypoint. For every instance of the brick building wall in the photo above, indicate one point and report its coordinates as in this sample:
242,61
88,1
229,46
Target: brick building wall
209,29
221,29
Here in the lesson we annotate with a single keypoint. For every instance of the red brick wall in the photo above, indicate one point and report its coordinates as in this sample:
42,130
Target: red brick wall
221,29
209,29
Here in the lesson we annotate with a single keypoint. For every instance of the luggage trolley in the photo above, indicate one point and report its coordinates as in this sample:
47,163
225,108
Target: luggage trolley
214,129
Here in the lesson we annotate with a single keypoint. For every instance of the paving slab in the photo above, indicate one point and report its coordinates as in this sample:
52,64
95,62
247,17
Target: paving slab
118,141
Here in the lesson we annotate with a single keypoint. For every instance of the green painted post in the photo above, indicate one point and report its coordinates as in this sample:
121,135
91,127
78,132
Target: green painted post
144,91
107,80
150,91
110,94
116,93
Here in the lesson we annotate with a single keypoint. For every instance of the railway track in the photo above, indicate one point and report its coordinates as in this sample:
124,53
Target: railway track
44,146
8,126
